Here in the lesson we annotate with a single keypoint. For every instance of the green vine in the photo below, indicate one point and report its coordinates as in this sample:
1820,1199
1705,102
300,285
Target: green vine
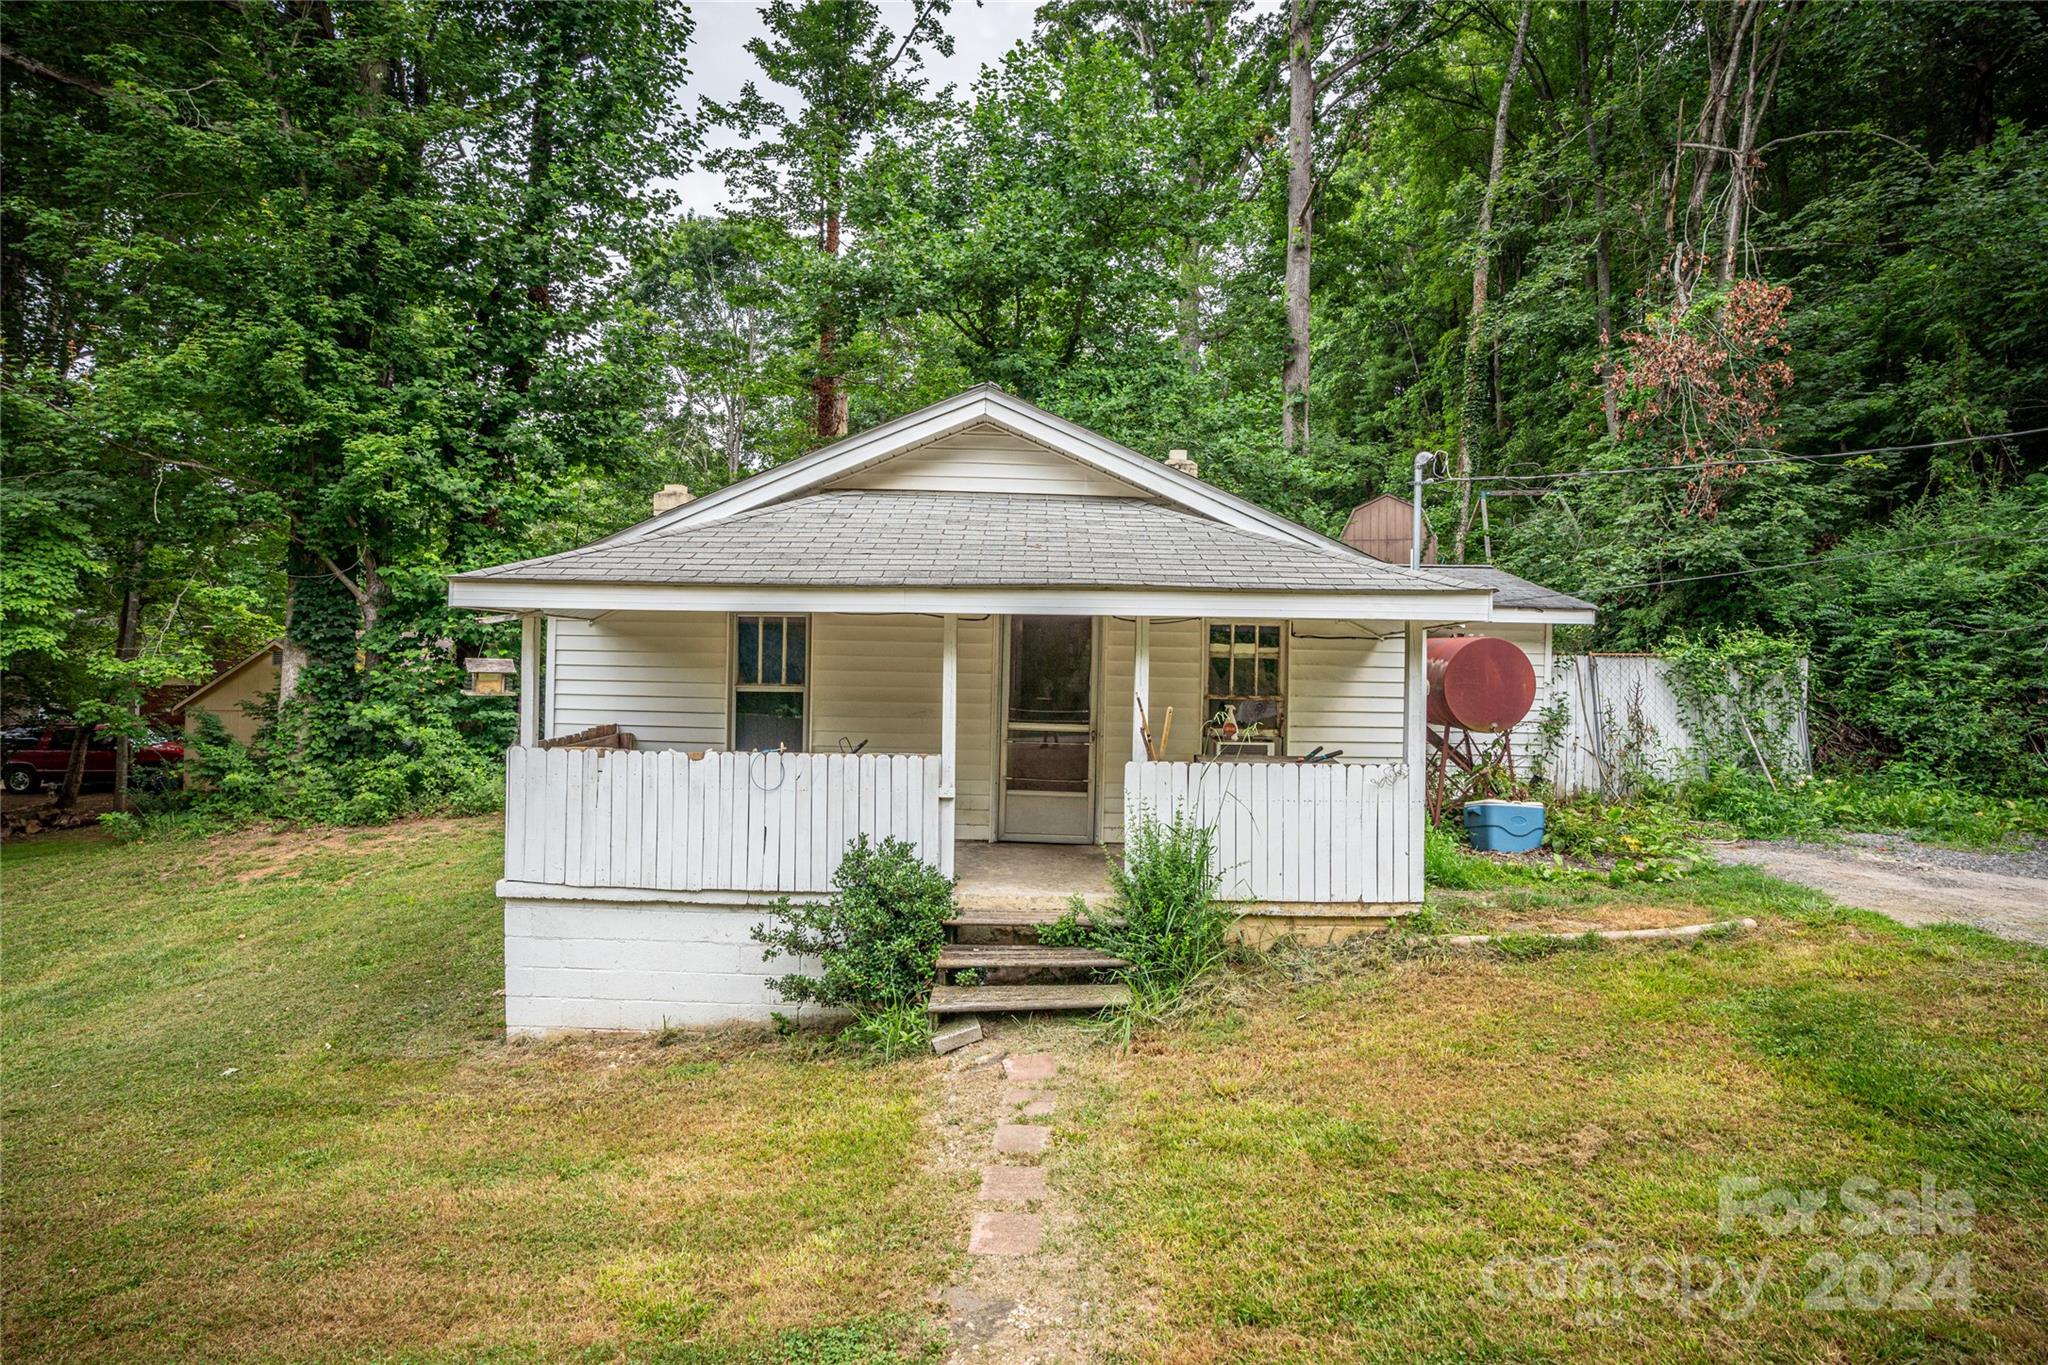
1741,694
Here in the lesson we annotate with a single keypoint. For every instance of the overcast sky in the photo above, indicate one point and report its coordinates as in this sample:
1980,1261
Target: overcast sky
720,63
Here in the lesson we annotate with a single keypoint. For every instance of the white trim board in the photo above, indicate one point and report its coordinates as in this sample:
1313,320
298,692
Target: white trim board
1554,616
1435,608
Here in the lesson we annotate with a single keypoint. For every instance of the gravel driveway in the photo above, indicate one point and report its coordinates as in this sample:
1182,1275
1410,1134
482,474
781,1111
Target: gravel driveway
2001,893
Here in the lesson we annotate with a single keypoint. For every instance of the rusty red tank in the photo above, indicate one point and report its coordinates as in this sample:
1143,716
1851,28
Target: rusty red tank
1479,682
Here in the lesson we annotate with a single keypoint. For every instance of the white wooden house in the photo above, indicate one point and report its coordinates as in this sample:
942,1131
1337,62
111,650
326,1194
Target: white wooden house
942,629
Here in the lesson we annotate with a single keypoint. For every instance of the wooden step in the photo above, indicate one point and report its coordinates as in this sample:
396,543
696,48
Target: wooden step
1019,916
991,955
1025,999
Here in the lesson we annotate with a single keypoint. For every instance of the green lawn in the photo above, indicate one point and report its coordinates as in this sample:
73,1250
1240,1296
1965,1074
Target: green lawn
1324,1160
257,1104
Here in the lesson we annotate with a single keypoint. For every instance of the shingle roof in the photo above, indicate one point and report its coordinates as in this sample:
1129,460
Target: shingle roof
1508,590
930,539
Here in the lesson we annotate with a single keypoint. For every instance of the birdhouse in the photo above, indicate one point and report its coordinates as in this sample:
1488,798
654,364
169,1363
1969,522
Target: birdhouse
490,677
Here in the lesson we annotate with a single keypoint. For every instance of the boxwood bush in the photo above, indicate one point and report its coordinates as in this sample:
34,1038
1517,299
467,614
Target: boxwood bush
877,939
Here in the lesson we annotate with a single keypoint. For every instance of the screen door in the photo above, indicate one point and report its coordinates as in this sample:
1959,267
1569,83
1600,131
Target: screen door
1048,731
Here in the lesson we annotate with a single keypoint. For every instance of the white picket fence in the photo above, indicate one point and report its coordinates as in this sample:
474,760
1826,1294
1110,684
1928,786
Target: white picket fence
1308,833
768,822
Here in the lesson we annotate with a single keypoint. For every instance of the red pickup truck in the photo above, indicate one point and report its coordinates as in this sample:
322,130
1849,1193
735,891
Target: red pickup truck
38,754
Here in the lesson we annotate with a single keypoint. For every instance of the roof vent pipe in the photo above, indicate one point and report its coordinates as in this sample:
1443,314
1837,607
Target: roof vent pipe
671,497
1178,461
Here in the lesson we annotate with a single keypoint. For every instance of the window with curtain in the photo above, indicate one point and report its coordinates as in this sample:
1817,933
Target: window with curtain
770,682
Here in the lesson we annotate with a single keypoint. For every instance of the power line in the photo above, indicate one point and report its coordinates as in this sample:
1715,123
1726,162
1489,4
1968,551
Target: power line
1830,559
1747,455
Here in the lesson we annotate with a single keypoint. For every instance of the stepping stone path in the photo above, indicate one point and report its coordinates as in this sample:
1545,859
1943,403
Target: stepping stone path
1003,1233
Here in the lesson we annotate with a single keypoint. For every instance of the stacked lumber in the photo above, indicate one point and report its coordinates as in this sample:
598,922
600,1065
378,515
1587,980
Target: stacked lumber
596,737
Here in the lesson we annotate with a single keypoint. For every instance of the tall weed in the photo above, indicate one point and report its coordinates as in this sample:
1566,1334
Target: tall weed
1167,923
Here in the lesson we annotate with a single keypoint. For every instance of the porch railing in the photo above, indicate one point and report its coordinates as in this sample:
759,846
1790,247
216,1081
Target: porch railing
1308,833
725,822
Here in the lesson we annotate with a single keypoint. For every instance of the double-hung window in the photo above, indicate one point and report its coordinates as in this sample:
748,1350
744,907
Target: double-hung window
771,666
1245,706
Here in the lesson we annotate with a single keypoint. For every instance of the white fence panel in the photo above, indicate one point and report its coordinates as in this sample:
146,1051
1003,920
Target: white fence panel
1623,719
660,820
1306,833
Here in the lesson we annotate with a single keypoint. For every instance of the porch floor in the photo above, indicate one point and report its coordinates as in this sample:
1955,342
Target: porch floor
1030,876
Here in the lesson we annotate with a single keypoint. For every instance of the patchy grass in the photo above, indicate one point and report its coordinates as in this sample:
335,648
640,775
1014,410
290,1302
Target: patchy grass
257,1104
1515,900
1890,800
1324,1158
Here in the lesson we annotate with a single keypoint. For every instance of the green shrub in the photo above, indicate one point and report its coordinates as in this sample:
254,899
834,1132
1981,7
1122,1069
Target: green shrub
1073,929
1930,654
1167,923
427,769
877,938
121,825
1648,841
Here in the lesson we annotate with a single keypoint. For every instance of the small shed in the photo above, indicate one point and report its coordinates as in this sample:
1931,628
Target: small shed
235,694
1384,527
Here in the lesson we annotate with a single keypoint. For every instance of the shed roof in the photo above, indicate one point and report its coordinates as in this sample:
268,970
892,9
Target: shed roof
266,654
933,539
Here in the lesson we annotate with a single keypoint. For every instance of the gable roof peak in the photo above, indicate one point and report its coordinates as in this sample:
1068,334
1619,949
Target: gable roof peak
986,402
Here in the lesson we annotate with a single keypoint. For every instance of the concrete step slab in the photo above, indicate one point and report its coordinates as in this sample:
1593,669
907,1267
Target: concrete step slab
1012,1184
1005,1234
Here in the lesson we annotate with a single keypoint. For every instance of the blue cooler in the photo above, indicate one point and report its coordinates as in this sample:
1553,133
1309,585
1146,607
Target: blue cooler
1504,826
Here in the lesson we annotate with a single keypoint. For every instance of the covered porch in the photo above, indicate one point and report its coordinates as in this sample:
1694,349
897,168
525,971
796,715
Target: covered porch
768,742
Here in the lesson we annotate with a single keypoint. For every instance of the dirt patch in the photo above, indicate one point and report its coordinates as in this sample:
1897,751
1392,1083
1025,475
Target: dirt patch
1915,884
263,851
1579,919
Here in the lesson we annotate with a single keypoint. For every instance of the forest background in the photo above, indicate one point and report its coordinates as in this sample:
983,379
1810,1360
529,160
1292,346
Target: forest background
1736,312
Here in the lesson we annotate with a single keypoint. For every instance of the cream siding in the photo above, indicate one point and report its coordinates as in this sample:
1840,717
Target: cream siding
974,773
875,679
661,676
987,459
1344,690
1534,638
1176,682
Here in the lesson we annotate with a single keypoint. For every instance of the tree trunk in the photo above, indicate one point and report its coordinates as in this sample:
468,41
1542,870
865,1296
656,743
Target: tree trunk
1603,281
1481,269
291,663
1301,117
74,768
1188,315
736,412
371,598
1754,105
829,417
127,645
1710,132
301,567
